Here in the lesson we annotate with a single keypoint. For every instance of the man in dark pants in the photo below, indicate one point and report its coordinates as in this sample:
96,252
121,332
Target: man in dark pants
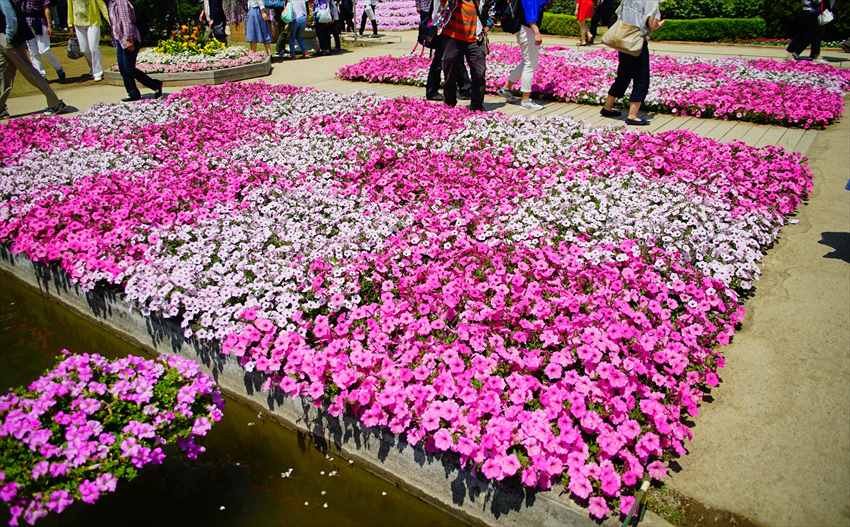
808,30
127,40
604,15
463,26
432,87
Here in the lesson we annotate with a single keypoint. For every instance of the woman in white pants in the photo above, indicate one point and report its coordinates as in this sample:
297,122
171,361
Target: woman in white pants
85,17
41,23
530,40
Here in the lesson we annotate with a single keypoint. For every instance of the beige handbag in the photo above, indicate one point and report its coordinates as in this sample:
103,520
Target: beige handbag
624,37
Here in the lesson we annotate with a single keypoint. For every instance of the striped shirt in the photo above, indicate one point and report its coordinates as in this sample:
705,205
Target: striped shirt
463,25
122,18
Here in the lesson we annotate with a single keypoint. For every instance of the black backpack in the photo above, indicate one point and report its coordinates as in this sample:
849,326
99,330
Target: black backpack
511,17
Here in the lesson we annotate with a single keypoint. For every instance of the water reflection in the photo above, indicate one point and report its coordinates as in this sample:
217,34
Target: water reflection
241,480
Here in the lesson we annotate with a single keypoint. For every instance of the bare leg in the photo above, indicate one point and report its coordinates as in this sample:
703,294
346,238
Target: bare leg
634,108
610,101
268,49
253,46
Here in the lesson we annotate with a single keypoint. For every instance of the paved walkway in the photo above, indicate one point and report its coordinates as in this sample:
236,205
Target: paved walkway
774,447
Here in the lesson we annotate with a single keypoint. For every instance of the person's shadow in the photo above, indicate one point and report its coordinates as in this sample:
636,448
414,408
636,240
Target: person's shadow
840,242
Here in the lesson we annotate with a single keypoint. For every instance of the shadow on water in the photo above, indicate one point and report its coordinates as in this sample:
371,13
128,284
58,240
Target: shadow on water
237,481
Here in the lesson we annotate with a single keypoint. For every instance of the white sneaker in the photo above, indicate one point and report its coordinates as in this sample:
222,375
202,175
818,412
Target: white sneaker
98,78
528,104
506,93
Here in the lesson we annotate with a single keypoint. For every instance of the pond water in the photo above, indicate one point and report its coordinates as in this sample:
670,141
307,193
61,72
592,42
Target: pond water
237,481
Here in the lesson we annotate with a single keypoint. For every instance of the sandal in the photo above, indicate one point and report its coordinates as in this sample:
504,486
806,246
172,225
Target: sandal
640,121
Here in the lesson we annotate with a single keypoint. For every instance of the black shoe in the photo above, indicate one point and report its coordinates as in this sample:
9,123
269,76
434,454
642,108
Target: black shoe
4,114
641,121
605,112
131,99
158,92
475,108
435,97
464,96
61,75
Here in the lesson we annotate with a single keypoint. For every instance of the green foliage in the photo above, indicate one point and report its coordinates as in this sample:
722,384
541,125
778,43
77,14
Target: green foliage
555,24
563,7
690,9
711,29
158,18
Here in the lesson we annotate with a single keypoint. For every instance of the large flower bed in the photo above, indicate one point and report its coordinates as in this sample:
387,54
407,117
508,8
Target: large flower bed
77,430
802,94
393,15
153,61
543,300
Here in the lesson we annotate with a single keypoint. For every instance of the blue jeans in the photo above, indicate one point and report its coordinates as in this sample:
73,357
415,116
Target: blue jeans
130,74
296,32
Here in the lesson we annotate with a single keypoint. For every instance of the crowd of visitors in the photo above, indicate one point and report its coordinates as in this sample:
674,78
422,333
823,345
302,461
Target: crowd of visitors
456,31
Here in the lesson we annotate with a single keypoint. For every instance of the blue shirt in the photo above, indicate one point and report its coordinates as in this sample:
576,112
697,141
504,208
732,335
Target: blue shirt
11,21
533,11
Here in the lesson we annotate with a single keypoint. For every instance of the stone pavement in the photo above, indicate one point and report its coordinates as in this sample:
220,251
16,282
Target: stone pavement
774,446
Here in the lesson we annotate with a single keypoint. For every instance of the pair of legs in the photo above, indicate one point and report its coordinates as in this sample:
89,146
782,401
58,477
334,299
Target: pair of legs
347,19
369,12
39,48
524,71
14,59
89,39
603,14
808,34
130,73
324,33
633,70
267,45
454,52
584,36
432,87
296,33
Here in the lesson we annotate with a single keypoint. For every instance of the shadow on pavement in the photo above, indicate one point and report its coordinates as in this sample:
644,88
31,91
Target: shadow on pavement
840,242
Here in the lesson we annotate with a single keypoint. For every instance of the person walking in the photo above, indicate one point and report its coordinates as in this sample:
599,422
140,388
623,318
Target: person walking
369,12
604,15
427,10
530,40
14,34
296,27
127,41
324,23
40,21
257,26
464,25
634,69
808,32
213,16
85,18
584,12
346,13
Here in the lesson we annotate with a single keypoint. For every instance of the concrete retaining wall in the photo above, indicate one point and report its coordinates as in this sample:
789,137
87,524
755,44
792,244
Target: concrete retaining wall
436,479
190,78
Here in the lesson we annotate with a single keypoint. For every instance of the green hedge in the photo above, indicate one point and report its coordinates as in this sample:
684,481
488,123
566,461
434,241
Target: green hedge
556,24
711,29
691,9
700,30
562,7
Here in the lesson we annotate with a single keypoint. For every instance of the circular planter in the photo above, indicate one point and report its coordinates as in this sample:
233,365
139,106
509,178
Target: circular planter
188,78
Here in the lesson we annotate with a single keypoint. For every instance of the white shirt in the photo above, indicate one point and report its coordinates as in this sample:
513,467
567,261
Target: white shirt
256,3
637,12
299,8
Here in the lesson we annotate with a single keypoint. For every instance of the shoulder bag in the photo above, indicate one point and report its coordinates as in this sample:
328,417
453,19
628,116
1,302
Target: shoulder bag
624,37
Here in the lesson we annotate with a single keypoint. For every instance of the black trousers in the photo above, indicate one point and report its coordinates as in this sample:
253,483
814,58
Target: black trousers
435,72
808,34
323,33
130,73
374,22
634,70
603,14
454,52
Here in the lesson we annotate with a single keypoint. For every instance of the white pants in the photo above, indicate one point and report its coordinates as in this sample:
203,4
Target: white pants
89,37
370,13
40,47
530,53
